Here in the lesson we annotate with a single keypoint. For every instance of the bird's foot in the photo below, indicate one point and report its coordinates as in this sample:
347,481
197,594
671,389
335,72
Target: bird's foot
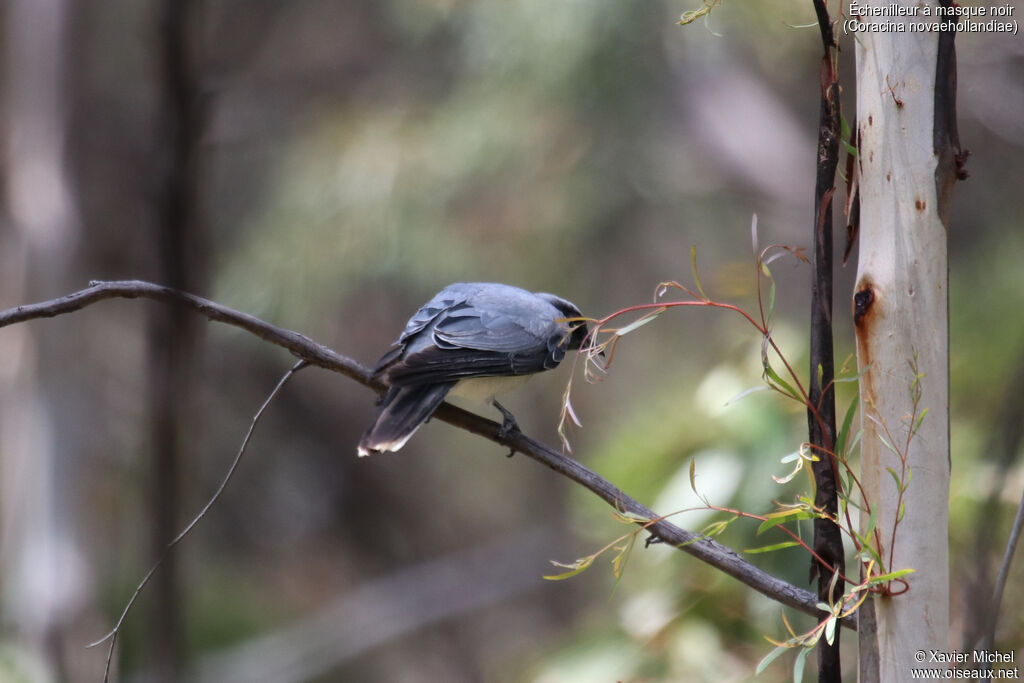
509,426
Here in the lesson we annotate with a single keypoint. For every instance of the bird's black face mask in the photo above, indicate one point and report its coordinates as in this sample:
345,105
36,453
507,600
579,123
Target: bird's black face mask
580,330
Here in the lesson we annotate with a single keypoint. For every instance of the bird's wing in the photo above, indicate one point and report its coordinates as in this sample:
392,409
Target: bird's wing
423,318
478,331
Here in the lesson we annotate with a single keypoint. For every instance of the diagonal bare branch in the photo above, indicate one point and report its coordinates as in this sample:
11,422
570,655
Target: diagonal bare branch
300,345
707,550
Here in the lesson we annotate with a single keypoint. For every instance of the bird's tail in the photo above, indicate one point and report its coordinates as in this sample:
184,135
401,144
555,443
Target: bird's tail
401,413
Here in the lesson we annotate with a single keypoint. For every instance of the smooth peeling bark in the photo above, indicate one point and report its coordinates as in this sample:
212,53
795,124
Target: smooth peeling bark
901,320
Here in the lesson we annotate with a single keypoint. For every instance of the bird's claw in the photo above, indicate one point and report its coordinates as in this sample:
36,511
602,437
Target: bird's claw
509,426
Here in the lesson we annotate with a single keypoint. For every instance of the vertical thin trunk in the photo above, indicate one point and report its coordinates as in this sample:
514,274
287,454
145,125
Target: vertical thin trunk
173,331
828,542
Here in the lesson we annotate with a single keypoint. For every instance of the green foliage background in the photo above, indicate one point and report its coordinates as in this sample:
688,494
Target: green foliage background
358,156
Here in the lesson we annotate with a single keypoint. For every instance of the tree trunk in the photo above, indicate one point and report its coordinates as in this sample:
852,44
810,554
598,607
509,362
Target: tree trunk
907,165
42,581
173,331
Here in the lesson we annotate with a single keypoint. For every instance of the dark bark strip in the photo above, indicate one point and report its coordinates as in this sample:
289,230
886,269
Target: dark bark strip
821,414
173,332
952,164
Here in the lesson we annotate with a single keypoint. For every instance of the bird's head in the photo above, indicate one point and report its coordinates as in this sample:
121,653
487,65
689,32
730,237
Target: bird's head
571,312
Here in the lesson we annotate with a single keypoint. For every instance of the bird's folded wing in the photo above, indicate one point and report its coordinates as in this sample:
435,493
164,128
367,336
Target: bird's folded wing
490,331
435,364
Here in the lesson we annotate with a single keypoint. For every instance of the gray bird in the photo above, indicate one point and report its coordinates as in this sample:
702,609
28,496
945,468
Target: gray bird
473,339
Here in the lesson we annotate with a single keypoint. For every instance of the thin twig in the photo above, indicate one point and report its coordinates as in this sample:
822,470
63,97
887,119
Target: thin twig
707,550
1006,434
112,636
1004,572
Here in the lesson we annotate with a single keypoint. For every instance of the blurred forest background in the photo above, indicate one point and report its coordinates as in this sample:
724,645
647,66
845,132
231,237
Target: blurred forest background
328,165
